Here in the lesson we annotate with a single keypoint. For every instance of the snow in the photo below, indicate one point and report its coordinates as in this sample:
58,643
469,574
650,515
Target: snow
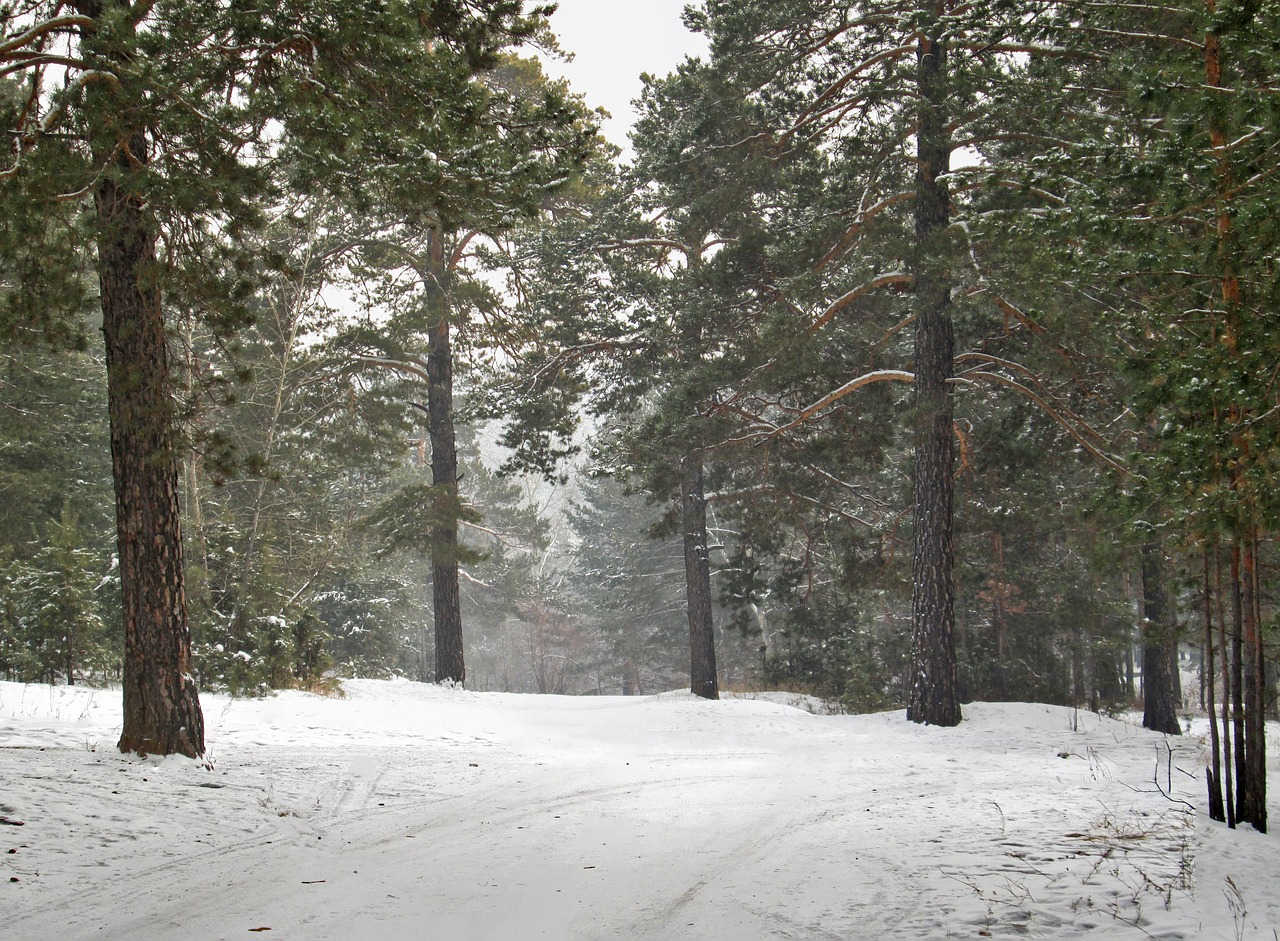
412,811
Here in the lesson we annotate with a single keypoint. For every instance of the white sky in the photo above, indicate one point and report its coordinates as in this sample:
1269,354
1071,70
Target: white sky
613,41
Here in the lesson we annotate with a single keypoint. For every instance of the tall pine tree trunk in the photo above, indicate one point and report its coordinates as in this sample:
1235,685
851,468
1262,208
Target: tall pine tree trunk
934,695
161,707
998,620
1237,682
446,601
697,577
1249,669
1228,798
1159,646
1208,682
1252,785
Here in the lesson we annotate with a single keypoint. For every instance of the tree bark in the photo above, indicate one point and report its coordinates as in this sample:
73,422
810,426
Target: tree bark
1228,798
161,707
998,617
1252,785
1159,646
1237,682
1249,668
934,696
446,600
697,577
1217,810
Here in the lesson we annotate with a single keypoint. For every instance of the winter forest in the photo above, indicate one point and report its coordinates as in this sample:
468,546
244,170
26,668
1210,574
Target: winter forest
903,356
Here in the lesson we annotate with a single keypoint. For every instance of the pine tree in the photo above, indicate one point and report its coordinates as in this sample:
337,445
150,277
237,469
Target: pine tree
157,149
1167,199
527,138
629,284
54,611
888,87
288,453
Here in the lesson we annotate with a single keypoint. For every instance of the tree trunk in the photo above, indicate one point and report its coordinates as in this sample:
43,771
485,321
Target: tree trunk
934,695
998,617
1130,672
697,580
1248,667
1228,797
1159,646
1217,810
1090,650
161,707
446,601
1252,785
69,650
1237,682
1077,669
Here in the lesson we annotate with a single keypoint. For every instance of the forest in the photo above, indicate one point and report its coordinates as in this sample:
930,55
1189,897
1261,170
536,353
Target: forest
914,354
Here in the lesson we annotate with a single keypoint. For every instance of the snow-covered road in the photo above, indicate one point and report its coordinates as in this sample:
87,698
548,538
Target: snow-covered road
410,812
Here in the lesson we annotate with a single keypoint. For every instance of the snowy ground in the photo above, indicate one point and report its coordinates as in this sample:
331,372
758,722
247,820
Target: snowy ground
414,812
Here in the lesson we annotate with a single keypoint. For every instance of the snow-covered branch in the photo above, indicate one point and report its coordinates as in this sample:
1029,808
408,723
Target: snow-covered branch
808,413
880,281
671,244
40,30
396,365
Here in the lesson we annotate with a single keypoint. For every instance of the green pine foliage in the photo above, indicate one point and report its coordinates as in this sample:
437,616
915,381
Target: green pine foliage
59,587
53,623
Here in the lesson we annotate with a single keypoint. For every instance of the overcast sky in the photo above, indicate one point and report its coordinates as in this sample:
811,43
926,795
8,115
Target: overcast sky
613,41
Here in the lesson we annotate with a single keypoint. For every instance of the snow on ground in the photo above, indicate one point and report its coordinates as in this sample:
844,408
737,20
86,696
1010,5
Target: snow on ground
407,811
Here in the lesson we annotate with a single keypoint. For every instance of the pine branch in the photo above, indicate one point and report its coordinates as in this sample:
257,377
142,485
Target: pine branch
864,217
810,412
884,280
1049,410
40,30
835,88
396,365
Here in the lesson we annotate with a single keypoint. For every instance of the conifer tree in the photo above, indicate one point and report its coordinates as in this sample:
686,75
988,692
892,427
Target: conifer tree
665,239
149,127
288,454
1177,209
629,586
526,139
891,90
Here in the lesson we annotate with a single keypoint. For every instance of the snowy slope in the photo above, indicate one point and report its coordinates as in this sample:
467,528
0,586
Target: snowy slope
410,811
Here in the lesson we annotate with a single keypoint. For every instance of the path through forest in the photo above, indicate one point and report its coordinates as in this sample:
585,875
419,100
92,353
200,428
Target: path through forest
407,811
